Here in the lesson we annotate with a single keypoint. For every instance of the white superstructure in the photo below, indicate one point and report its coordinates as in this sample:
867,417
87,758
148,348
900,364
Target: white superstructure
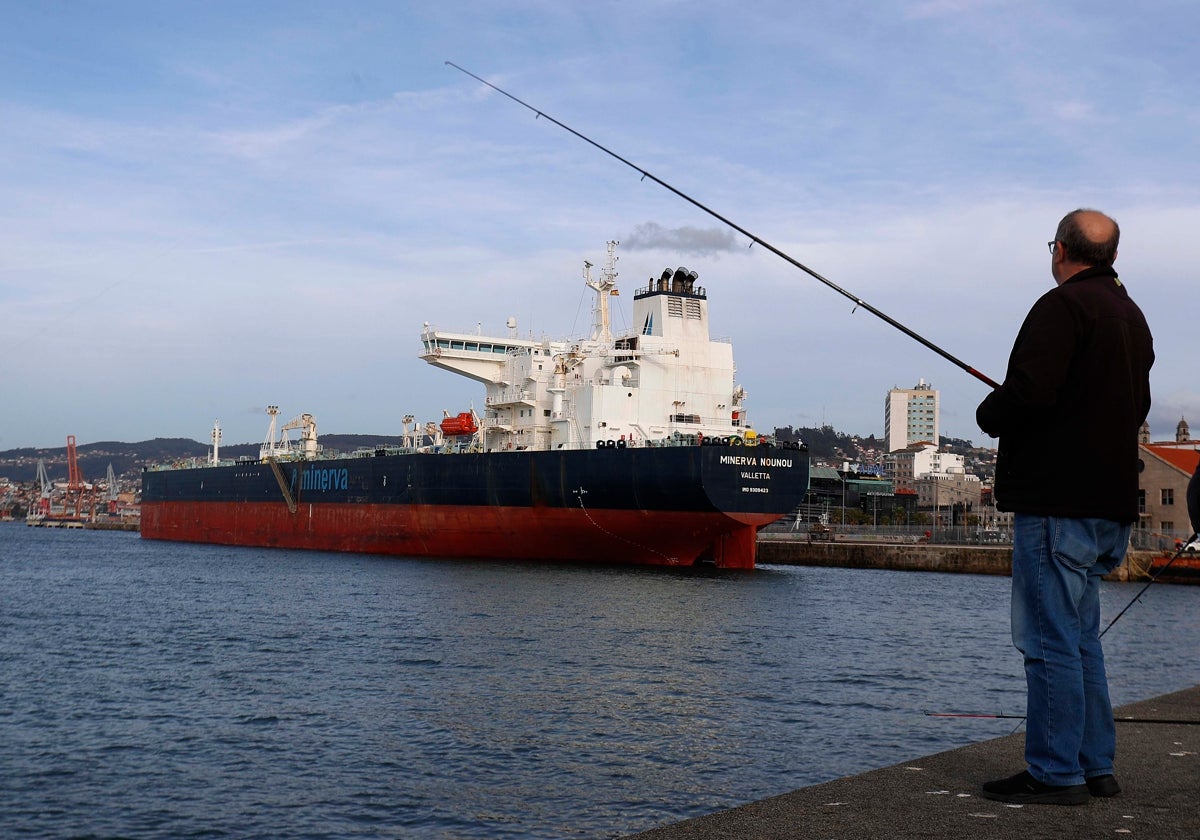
666,379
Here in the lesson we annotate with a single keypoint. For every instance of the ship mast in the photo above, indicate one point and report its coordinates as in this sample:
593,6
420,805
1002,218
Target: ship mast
216,443
604,288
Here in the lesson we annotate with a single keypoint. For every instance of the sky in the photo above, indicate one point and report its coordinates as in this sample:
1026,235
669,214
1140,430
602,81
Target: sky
206,208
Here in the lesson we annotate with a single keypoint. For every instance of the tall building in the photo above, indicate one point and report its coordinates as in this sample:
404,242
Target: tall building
910,415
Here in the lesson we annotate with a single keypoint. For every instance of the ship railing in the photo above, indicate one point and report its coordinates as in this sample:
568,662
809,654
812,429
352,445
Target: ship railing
184,464
386,449
656,286
511,396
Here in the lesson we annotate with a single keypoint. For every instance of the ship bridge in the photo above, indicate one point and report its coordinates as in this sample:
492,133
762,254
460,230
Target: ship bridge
663,378
478,357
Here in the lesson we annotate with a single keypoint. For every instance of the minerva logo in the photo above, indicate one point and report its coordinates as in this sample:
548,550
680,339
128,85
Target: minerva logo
326,479
753,461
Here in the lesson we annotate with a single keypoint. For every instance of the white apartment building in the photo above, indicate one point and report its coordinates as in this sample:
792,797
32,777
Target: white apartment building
910,415
940,479
920,461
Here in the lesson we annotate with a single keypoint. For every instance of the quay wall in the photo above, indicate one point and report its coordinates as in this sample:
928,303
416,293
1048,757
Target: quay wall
787,550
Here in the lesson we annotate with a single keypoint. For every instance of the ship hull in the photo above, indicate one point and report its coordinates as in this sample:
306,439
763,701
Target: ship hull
654,505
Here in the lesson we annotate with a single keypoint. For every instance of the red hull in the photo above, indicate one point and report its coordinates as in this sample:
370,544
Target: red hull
661,538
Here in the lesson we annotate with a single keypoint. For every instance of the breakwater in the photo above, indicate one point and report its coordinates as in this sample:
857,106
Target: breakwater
788,550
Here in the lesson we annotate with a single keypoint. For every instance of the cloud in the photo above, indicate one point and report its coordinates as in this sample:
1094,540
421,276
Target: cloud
1075,111
703,242
946,8
210,215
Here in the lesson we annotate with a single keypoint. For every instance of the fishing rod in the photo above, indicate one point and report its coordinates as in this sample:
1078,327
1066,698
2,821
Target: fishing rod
1193,506
753,239
1192,494
1116,718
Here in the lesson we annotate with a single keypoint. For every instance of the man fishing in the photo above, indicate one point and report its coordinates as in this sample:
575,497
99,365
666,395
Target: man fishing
1076,392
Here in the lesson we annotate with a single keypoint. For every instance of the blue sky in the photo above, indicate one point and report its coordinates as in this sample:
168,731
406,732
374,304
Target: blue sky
212,207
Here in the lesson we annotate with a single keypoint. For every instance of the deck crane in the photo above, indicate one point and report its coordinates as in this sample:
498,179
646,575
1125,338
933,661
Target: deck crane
273,447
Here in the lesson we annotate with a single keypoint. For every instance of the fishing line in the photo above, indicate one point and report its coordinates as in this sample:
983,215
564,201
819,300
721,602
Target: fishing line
1116,719
858,302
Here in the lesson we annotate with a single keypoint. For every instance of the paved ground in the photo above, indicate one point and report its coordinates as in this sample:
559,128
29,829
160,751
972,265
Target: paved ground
1158,766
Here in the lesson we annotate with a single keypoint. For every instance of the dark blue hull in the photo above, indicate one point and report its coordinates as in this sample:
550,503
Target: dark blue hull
669,505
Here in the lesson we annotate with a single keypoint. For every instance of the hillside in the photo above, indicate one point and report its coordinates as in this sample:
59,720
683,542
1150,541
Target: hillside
827,442
127,459
20,465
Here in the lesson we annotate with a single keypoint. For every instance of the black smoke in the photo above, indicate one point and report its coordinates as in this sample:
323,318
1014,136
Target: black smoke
687,240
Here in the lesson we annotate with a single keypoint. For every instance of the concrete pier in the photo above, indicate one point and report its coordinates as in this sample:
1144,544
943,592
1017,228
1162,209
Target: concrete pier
1158,766
788,550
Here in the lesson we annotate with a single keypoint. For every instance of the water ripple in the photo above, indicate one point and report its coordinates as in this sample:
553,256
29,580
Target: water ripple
161,690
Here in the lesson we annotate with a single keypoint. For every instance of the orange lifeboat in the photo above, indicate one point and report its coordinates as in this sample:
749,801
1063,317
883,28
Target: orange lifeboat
463,424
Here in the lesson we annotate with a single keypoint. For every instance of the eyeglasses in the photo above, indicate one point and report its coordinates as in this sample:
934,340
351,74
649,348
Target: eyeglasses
1052,243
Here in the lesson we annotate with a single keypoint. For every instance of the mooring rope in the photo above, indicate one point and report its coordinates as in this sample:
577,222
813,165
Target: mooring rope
580,494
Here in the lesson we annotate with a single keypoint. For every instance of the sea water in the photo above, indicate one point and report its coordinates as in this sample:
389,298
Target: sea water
154,689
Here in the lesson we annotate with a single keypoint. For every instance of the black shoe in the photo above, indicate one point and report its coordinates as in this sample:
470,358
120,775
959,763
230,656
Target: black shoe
1023,789
1103,785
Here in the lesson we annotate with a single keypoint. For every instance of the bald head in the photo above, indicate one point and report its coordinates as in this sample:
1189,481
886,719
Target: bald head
1088,238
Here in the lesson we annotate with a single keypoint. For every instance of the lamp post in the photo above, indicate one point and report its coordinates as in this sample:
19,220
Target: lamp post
843,475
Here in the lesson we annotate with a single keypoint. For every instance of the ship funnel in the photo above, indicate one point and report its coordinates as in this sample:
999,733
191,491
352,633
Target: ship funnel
677,280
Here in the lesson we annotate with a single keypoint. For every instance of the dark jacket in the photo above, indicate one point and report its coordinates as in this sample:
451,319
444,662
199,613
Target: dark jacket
1075,395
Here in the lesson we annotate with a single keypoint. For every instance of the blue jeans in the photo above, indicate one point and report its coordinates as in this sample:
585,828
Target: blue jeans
1057,566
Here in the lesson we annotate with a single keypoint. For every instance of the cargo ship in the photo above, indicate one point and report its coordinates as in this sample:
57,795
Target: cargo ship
618,449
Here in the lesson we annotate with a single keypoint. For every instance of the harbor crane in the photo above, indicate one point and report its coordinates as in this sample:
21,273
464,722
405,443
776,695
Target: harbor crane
113,492
78,496
46,487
